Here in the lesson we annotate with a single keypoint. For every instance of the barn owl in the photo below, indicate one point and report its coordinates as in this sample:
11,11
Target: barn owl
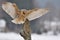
20,16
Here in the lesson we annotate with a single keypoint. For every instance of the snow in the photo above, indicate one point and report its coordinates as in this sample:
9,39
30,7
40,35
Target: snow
10,36
2,23
44,37
15,36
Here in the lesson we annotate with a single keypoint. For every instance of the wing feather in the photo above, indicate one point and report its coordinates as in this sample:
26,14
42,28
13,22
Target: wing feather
9,9
34,14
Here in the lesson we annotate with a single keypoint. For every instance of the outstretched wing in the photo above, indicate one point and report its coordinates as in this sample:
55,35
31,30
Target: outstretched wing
21,15
36,13
10,9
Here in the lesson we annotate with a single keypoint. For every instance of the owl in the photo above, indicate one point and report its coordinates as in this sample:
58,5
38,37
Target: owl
19,16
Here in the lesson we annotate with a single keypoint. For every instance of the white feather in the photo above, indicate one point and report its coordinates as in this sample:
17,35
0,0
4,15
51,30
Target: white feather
9,9
36,14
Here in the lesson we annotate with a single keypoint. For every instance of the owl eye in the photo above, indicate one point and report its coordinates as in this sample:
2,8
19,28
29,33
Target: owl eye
23,13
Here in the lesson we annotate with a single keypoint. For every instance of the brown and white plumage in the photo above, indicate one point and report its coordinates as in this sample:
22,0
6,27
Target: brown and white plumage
19,16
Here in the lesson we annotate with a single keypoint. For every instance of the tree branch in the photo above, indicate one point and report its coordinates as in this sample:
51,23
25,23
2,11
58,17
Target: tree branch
26,30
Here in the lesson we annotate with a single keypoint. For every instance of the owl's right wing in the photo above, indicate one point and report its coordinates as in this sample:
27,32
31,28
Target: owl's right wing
10,9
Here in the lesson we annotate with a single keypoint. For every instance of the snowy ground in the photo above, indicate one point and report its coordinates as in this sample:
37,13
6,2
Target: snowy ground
14,36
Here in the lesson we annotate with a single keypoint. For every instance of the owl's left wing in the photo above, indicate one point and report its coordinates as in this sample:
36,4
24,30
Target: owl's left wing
36,13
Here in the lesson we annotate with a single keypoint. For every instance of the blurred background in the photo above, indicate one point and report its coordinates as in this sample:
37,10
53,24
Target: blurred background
48,24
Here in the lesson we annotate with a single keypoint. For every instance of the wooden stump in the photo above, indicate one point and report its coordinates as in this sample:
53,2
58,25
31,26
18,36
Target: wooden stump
26,30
